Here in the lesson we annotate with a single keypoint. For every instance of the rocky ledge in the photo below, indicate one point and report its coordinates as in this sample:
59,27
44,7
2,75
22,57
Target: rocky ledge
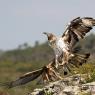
73,85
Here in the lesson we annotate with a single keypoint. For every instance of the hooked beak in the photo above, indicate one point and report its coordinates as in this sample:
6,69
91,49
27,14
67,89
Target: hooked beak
45,33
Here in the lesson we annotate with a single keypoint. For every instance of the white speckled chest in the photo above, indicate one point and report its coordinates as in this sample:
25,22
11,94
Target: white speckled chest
60,46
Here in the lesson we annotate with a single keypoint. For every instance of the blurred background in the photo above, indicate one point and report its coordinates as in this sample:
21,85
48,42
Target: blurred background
24,48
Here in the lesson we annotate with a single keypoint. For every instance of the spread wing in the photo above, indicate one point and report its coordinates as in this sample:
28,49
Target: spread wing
47,74
24,79
77,29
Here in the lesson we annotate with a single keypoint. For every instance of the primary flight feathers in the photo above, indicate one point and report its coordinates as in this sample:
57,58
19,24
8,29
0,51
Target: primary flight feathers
77,29
24,79
47,73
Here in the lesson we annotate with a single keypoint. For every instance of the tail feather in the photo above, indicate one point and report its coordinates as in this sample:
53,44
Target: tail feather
76,61
79,59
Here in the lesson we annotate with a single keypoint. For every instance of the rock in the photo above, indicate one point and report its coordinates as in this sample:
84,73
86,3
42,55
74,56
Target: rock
73,85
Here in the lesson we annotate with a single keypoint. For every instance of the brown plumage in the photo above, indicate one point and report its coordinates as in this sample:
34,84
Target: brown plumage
77,29
65,45
24,79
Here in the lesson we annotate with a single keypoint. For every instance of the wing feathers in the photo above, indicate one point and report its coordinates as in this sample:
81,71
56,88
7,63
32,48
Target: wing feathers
79,59
88,21
77,29
24,79
47,73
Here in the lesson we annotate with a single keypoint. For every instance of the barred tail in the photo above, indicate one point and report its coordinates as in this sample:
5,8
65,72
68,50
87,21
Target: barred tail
76,61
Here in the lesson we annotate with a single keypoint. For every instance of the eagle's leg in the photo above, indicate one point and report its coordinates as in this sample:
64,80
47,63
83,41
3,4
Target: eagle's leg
50,74
64,63
56,61
45,77
64,59
56,74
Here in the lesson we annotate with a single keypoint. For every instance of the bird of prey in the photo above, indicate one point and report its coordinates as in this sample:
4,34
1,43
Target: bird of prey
64,52
65,44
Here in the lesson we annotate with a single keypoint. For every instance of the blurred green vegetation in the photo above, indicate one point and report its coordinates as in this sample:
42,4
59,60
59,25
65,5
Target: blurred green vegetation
14,63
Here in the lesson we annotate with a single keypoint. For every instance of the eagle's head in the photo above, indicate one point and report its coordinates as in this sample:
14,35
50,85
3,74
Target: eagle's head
51,37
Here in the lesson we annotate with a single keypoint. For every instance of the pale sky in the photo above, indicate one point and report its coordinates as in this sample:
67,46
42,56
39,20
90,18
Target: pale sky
24,20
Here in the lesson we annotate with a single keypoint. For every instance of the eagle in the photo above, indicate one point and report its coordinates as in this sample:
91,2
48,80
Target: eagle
76,30
64,50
